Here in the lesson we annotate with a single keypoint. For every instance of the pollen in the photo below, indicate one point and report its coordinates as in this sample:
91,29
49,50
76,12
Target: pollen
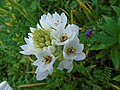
70,51
47,59
63,37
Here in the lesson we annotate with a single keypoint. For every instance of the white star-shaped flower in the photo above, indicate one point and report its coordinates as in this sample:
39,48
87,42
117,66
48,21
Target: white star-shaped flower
62,35
42,75
55,19
44,63
29,48
67,64
5,86
74,28
73,50
44,23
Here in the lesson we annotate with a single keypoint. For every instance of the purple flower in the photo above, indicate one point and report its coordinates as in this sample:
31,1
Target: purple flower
88,33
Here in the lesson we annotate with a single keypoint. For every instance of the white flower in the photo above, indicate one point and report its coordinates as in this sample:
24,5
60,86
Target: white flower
51,49
74,28
67,64
29,48
62,35
56,19
44,63
5,86
44,23
73,50
44,74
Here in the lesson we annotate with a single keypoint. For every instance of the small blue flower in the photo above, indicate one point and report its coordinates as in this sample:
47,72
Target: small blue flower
88,33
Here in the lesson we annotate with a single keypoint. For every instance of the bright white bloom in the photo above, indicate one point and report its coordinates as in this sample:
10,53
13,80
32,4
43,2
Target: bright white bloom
5,86
29,48
67,64
44,74
55,19
62,35
44,63
73,50
44,23
51,49
74,28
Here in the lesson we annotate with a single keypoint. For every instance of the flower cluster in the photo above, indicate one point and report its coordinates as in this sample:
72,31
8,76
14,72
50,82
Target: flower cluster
53,41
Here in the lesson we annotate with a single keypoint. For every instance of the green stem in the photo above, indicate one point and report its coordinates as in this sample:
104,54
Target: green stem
13,4
39,7
26,11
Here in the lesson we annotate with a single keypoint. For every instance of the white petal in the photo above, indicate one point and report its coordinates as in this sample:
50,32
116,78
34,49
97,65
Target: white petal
53,42
56,16
30,34
51,21
24,47
26,52
70,67
60,66
45,48
32,29
80,56
42,75
27,40
64,19
44,25
38,26
38,63
43,22
51,49
74,28
79,47
55,35
50,70
5,86
67,64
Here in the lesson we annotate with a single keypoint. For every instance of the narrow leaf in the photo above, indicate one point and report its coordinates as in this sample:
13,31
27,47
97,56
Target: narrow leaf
117,78
111,24
117,10
115,55
102,53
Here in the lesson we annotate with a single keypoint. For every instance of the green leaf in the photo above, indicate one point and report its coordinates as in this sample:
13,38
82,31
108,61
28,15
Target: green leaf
73,4
117,78
119,38
102,53
118,21
33,5
111,24
115,55
112,1
117,10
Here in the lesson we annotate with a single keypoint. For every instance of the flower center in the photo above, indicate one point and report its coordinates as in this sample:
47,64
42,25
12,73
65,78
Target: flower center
71,50
63,37
47,59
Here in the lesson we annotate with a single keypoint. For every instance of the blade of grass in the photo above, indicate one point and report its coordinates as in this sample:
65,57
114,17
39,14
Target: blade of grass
40,7
72,16
27,12
30,85
116,87
13,5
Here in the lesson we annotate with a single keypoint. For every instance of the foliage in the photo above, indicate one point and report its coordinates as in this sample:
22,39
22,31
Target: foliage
99,71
